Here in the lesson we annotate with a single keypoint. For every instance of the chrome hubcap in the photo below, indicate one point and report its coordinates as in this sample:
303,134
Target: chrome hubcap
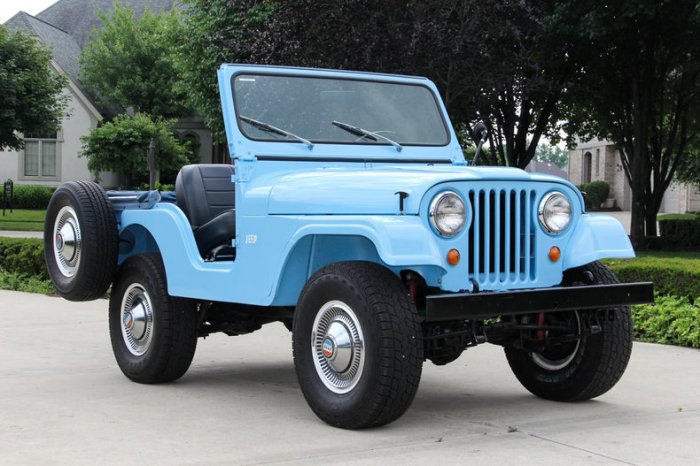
561,360
67,241
137,319
338,347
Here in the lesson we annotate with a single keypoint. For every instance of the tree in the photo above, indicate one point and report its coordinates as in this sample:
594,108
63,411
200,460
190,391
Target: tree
490,58
216,32
689,169
639,89
128,62
31,92
557,155
121,145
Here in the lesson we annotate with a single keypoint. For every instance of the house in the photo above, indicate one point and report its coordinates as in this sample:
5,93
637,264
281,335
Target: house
546,168
600,160
50,159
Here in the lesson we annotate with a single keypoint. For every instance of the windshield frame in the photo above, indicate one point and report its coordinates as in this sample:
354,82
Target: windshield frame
384,80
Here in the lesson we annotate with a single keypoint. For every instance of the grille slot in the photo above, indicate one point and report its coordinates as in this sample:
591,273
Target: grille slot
501,236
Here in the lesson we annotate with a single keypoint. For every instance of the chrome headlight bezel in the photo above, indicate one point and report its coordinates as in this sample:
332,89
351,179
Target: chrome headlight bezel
436,220
555,203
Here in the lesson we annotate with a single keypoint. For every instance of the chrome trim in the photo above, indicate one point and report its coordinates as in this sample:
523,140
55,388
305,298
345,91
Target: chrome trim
67,241
136,319
337,347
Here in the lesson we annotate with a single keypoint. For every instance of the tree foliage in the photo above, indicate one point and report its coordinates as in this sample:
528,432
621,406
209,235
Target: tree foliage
548,153
216,32
31,93
121,145
491,59
129,61
639,89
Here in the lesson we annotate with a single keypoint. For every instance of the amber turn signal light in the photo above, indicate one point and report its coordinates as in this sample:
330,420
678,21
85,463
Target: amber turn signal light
453,257
554,254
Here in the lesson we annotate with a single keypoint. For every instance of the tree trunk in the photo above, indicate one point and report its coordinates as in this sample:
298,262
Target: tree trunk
650,219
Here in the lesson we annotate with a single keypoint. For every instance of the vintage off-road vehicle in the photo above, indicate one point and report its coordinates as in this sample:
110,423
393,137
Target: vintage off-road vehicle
350,214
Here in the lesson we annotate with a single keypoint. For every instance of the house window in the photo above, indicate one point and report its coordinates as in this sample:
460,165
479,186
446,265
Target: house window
597,163
587,162
40,155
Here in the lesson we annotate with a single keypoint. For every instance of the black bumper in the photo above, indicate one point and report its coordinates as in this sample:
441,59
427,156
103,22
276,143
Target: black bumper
486,305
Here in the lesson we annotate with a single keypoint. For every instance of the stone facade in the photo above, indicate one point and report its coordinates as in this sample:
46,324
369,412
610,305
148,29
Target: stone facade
600,160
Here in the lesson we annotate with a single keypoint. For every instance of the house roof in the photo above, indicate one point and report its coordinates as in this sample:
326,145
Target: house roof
64,28
79,17
62,45
546,168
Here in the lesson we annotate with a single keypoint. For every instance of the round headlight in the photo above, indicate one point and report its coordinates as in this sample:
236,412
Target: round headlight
447,213
555,212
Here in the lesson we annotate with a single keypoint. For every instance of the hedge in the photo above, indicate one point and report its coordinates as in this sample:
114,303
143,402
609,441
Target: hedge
596,193
31,196
680,230
23,256
677,276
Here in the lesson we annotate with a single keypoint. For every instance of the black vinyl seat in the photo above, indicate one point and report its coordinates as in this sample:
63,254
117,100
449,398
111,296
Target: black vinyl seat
207,196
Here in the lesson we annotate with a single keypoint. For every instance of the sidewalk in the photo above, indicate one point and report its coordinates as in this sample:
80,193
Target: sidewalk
21,234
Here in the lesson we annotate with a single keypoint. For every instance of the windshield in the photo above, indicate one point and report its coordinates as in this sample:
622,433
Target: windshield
337,111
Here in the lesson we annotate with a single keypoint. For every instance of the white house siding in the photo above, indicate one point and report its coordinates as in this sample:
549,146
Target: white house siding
77,123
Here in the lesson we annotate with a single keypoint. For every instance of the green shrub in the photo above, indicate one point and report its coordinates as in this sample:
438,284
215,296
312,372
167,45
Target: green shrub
670,320
672,275
23,256
680,230
20,282
28,196
596,193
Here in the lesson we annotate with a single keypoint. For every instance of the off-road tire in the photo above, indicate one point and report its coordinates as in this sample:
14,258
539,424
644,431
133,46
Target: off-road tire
96,261
174,324
393,345
600,359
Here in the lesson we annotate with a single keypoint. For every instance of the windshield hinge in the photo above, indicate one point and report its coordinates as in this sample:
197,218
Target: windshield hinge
243,169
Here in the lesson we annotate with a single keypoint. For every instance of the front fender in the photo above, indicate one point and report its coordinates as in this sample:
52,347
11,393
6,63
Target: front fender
595,237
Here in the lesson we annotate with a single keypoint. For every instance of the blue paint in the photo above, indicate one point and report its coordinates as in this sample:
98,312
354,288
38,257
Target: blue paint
340,203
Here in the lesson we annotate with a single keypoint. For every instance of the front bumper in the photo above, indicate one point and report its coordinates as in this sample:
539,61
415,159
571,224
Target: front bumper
480,306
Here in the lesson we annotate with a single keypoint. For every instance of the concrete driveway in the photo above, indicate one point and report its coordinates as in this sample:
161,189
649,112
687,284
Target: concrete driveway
64,401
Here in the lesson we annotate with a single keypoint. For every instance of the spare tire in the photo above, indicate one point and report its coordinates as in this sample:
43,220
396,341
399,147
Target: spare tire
81,242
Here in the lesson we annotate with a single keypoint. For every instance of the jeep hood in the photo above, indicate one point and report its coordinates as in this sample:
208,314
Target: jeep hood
374,190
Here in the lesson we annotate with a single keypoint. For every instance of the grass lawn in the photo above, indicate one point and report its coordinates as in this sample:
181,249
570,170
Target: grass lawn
22,220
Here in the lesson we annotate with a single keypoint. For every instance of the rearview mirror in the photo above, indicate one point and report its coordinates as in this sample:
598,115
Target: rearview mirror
480,132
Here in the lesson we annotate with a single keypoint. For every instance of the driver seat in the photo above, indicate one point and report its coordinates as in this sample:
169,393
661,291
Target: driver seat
207,196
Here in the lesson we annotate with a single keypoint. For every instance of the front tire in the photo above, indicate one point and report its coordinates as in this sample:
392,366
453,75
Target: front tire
358,348
587,367
154,335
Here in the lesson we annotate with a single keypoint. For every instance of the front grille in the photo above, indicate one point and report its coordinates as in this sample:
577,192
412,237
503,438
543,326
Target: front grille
501,236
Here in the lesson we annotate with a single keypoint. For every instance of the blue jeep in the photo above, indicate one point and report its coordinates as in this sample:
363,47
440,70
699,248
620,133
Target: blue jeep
350,214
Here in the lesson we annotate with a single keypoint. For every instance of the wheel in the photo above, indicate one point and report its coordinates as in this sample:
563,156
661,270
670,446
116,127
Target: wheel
154,335
81,243
358,346
584,368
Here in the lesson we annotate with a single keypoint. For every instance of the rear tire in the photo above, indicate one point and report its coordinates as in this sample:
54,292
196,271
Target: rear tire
586,369
154,335
358,346
81,242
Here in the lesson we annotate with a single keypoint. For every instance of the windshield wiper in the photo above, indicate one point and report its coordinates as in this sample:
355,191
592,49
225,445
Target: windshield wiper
273,129
357,131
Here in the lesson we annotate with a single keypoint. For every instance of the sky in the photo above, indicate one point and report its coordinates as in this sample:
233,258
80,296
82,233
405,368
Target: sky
8,8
